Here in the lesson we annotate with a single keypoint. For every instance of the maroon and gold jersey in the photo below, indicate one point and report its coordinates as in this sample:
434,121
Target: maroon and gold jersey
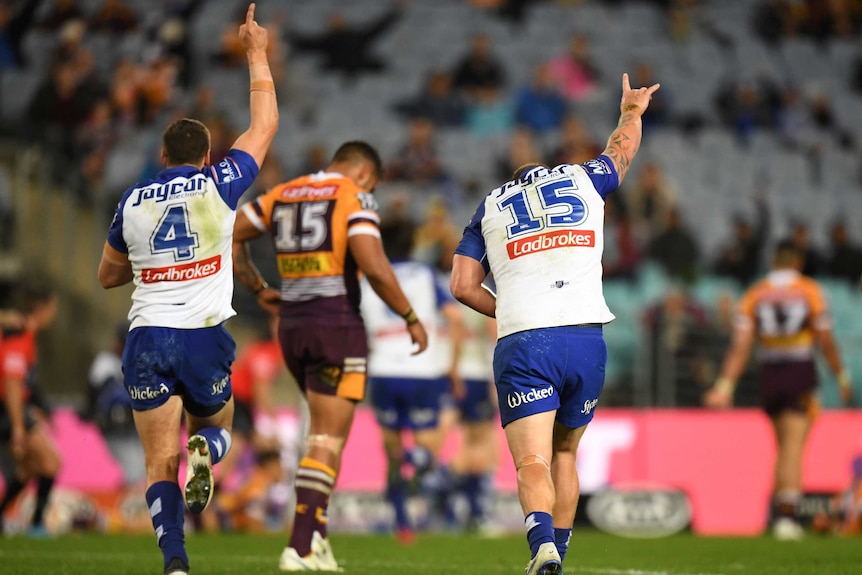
310,219
786,309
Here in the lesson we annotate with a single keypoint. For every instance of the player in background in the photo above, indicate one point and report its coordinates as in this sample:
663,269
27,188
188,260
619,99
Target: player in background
541,236
406,390
22,431
787,316
172,237
325,231
478,456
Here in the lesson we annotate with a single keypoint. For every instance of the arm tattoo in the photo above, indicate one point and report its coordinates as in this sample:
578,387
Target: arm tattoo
244,269
625,141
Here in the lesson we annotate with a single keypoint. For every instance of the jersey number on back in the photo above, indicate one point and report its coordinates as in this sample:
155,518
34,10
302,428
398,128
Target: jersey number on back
173,234
302,227
561,207
782,319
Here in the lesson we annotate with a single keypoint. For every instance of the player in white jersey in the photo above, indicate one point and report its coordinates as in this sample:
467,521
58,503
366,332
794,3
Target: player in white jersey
406,389
540,235
172,237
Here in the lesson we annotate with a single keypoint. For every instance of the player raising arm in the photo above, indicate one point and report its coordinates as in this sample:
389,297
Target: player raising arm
540,235
172,236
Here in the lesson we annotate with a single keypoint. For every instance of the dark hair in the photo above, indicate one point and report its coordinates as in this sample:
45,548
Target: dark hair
359,151
516,175
786,253
32,296
186,141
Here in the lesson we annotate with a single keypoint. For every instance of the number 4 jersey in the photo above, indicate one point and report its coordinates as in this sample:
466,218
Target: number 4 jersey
311,219
177,230
541,238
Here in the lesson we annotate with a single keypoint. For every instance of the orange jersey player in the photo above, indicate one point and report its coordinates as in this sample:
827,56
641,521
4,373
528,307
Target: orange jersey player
787,315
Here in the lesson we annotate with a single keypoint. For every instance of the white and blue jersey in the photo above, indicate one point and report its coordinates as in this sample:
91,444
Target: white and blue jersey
406,390
541,237
177,230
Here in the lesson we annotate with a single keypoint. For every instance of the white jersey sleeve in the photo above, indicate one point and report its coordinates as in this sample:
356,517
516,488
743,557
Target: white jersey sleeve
178,231
541,237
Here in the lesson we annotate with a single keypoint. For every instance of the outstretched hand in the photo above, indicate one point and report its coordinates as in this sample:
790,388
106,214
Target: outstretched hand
637,98
252,36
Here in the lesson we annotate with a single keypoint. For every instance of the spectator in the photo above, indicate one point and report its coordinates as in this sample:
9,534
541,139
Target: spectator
63,11
7,213
513,10
539,105
479,69
489,114
650,203
346,49
435,234
314,159
94,140
114,18
577,145
744,107
622,255
109,407
813,262
13,27
418,162
574,71
169,33
773,20
845,261
679,332
437,102
675,249
247,509
522,151
740,259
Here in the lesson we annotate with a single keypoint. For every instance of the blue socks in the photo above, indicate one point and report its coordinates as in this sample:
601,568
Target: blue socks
561,538
540,529
165,501
473,487
219,442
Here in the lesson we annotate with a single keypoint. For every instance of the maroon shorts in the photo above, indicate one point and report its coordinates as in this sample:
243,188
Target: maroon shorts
788,386
326,359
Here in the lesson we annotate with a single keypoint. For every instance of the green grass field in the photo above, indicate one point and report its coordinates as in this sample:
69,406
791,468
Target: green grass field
591,553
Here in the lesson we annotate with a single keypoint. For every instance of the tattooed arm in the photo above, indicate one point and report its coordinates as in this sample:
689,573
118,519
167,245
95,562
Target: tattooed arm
626,139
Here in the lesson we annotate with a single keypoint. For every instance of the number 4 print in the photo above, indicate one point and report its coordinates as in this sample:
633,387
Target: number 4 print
173,234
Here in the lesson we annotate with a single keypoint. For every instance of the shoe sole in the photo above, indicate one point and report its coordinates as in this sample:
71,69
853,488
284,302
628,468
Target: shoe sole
199,478
550,568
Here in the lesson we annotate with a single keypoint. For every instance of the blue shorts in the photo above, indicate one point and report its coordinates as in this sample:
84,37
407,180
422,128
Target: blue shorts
159,362
478,405
555,368
404,403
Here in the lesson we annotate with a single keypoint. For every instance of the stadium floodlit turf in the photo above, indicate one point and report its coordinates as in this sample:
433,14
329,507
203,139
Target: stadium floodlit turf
591,553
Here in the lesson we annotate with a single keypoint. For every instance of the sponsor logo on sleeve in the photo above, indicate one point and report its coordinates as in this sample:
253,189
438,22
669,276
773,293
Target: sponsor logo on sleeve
551,241
182,273
227,171
597,166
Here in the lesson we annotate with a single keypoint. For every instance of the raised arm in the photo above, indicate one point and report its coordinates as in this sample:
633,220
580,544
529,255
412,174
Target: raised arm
626,139
262,101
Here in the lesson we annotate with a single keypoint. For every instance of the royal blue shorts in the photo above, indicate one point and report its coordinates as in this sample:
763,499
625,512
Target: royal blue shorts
159,362
403,403
556,368
479,404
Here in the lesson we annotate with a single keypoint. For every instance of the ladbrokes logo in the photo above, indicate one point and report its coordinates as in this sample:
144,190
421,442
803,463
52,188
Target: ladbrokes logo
182,273
519,397
550,241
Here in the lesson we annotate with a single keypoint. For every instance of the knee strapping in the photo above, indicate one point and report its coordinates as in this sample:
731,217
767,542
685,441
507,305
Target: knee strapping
532,460
330,443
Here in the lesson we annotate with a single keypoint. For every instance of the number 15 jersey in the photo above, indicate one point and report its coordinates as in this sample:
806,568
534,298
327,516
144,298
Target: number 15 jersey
541,238
311,219
177,230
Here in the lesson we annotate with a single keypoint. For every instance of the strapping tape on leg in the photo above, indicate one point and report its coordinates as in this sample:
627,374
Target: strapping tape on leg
532,460
328,442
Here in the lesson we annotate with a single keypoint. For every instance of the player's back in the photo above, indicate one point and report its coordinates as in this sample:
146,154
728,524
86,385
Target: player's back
544,242
177,231
390,345
785,308
312,218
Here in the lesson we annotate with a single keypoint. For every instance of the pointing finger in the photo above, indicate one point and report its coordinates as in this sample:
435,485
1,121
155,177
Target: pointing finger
626,85
249,16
